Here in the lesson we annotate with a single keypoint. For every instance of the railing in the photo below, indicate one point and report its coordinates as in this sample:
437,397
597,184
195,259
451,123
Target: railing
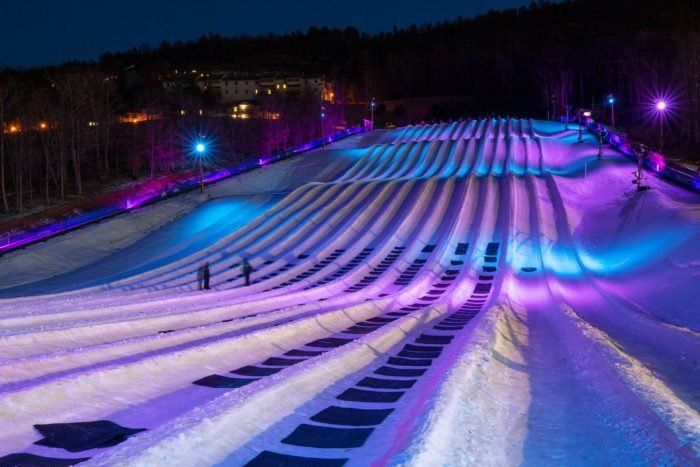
655,162
12,242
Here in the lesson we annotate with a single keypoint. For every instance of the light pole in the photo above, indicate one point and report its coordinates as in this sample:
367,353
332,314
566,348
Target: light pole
201,148
611,101
661,108
323,134
580,128
371,106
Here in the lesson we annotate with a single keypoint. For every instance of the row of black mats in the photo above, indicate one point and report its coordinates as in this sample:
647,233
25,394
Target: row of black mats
353,425
80,436
378,270
250,373
491,255
407,276
439,288
352,264
397,376
313,270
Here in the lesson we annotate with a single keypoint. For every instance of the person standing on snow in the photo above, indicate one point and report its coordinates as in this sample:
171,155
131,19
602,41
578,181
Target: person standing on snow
206,274
200,277
247,269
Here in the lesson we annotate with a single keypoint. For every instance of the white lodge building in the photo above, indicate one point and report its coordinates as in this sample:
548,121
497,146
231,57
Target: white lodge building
232,87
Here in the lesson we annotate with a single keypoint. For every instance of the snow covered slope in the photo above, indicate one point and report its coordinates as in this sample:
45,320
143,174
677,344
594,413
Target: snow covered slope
482,292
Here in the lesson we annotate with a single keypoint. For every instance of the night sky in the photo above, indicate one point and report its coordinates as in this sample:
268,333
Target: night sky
44,32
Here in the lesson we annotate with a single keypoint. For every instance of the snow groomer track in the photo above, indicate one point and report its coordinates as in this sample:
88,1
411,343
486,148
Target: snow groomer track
481,292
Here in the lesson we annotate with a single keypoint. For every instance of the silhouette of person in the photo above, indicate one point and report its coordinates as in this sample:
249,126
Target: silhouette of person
200,277
247,269
206,274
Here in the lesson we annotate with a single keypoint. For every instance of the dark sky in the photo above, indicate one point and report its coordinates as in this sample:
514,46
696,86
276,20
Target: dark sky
42,32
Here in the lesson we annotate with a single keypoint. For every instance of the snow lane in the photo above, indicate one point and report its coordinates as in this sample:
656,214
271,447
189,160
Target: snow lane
387,258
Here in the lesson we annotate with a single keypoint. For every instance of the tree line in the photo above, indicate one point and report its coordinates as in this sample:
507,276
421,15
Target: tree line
67,127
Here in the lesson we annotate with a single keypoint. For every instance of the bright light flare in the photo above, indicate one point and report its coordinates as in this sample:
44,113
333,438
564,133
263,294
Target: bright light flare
200,148
661,105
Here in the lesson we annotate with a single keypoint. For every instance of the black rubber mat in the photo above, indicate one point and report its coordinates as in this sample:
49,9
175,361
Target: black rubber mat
218,381
279,361
360,395
329,342
303,353
81,436
402,372
414,354
429,339
400,361
422,348
314,436
274,459
31,460
381,383
351,416
255,371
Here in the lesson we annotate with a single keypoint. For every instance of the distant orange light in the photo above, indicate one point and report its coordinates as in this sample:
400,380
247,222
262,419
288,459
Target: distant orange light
14,128
42,125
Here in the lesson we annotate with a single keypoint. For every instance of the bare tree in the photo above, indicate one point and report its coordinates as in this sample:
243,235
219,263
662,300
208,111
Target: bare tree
9,97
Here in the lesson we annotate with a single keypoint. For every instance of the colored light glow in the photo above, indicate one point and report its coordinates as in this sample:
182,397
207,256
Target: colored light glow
611,100
200,147
661,105
636,251
25,238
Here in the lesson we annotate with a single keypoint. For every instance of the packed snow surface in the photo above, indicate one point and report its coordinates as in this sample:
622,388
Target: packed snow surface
485,292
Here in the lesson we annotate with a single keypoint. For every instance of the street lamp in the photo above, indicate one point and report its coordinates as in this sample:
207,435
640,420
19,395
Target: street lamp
371,106
661,109
611,101
582,113
201,148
